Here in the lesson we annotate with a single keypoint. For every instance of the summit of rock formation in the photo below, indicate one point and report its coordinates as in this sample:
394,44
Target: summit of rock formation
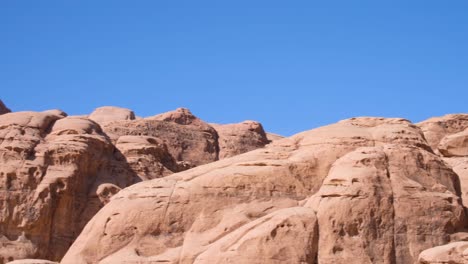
3,108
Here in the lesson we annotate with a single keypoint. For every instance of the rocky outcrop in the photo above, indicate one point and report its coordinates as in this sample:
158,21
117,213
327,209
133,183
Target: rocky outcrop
188,139
436,128
385,205
453,253
364,190
51,166
106,114
448,136
3,108
235,139
57,171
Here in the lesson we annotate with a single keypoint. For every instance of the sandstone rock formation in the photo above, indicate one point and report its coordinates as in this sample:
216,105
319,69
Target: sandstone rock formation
111,113
364,190
448,136
453,253
51,166
235,139
32,261
3,108
272,137
56,171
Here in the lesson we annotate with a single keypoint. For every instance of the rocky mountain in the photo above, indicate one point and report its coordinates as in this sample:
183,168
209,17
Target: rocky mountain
174,189
57,171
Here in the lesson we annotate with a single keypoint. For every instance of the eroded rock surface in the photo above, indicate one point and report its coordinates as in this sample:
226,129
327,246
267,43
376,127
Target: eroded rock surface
364,190
50,165
235,139
106,114
453,253
57,171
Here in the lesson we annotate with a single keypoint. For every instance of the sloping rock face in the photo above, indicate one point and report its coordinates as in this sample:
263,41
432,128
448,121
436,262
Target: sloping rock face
272,137
364,190
3,108
56,171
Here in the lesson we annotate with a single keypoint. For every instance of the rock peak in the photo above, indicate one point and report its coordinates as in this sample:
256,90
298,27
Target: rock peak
3,108
181,115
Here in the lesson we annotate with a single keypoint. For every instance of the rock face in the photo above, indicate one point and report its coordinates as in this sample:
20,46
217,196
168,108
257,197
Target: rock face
111,113
56,171
364,190
3,108
187,138
50,165
453,253
435,129
448,136
235,139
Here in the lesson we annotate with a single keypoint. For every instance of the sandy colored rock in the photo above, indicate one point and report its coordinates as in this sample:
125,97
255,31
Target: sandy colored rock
235,139
272,137
106,114
285,236
196,215
57,171
188,139
453,253
454,145
50,165
148,156
436,128
181,116
3,108
448,136
32,261
460,167
385,205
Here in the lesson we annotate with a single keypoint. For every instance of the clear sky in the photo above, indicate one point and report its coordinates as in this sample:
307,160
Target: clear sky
292,65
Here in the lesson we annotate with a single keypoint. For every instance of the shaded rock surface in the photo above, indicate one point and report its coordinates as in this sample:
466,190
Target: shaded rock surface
3,108
363,190
57,171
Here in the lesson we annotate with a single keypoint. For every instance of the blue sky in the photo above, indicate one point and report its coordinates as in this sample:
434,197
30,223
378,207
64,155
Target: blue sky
292,65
